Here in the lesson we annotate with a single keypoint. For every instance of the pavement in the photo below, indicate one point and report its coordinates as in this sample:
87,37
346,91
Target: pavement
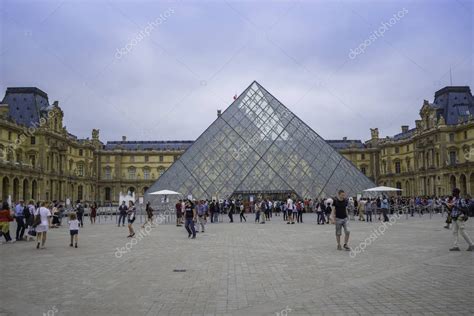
238,268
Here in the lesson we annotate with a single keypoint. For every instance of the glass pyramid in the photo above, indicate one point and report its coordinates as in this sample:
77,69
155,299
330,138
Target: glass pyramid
257,145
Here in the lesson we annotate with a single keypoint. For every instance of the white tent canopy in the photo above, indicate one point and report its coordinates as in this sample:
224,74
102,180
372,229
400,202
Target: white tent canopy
165,192
382,189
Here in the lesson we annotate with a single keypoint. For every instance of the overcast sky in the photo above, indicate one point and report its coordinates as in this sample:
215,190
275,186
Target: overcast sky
160,70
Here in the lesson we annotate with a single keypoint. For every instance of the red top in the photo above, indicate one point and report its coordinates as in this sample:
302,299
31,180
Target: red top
5,216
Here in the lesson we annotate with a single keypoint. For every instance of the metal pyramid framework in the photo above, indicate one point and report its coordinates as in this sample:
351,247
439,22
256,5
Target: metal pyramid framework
258,145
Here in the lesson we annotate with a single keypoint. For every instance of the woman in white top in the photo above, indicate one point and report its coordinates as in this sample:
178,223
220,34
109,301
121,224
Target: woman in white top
42,228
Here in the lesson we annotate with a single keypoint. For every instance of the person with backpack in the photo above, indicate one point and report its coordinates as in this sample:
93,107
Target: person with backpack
459,217
80,213
20,221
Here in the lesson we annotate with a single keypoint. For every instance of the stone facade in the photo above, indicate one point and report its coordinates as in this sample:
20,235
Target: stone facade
40,160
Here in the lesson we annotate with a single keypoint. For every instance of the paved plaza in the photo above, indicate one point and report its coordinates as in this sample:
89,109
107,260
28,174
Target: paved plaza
242,269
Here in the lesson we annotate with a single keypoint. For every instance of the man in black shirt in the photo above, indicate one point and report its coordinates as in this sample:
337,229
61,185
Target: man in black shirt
340,217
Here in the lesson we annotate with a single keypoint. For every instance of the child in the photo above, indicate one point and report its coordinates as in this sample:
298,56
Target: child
73,228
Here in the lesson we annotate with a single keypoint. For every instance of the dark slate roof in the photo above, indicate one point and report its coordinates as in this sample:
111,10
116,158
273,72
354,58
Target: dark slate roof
453,103
26,105
401,136
345,143
149,145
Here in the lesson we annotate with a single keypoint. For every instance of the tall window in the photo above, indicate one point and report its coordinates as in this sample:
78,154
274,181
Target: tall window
80,170
363,170
146,174
146,158
451,137
132,173
33,140
362,156
161,158
398,167
107,194
81,152
80,192
397,150
452,158
108,173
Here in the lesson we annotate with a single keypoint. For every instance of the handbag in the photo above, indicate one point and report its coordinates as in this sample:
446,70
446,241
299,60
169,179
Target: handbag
37,219
32,232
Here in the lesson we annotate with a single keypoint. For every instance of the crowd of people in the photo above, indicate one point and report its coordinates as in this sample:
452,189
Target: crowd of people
33,220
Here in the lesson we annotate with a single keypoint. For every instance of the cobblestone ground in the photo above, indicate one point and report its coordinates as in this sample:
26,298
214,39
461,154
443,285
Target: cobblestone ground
242,269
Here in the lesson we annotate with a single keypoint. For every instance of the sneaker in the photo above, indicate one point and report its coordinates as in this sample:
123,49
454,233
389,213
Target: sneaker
37,245
455,249
346,247
194,237
339,247
132,235
471,248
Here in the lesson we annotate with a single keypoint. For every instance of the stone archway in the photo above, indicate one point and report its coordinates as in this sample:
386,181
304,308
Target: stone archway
452,182
26,193
5,188
16,190
463,184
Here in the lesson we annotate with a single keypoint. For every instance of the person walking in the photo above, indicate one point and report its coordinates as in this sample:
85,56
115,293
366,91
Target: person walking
80,213
300,209
369,207
289,207
29,218
257,212
5,219
340,217
459,216
361,209
131,215
201,213
179,212
242,213
42,222
320,208
73,224
189,219
149,215
122,213
20,221
384,207
231,211
93,213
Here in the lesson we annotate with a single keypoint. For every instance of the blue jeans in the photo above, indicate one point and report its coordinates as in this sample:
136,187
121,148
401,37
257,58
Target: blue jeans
189,225
122,218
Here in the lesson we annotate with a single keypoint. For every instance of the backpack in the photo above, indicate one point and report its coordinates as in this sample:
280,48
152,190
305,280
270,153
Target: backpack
37,219
26,212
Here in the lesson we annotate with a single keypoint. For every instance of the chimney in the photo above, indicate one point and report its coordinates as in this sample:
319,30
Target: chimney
124,138
404,128
219,113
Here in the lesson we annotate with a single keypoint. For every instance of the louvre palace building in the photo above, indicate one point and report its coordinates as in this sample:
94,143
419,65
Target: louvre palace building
254,142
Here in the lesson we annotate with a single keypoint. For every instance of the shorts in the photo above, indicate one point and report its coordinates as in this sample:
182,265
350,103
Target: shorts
340,223
73,232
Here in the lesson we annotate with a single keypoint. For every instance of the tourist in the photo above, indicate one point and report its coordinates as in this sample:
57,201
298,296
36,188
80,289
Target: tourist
131,214
201,213
73,228
20,220
459,216
189,218
122,213
242,213
361,209
217,212
29,218
212,210
320,208
339,216
270,209
93,213
179,213
289,207
231,211
5,219
285,211
257,212
263,211
42,224
369,207
328,209
80,213
299,209
149,215
55,213
384,207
